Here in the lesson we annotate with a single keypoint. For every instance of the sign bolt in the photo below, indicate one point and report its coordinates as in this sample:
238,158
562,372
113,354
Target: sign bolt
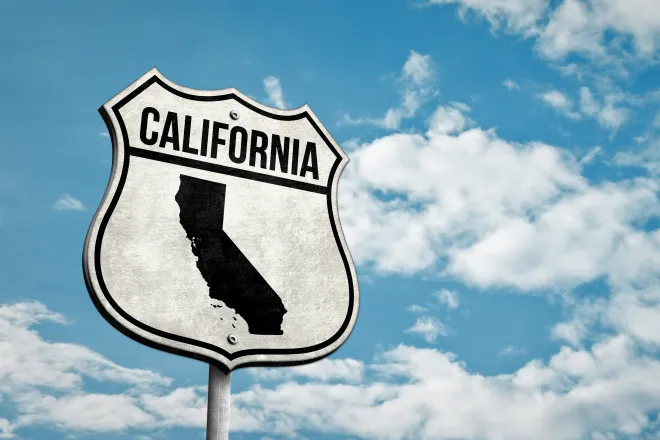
234,115
233,340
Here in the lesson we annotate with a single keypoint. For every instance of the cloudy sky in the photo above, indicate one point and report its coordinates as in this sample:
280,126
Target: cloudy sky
500,206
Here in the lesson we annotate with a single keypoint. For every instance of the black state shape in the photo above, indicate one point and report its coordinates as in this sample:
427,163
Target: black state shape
228,273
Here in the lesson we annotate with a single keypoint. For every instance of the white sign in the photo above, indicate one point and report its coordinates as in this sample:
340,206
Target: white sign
218,237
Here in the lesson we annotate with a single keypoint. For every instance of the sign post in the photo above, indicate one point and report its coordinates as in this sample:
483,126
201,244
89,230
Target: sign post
217,416
218,237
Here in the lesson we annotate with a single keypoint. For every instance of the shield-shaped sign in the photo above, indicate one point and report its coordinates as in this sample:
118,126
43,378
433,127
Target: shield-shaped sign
218,237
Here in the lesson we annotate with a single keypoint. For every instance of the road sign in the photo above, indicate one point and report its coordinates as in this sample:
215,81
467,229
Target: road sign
218,237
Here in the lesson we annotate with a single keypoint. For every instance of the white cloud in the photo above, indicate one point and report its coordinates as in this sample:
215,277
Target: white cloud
418,69
426,394
575,330
68,203
557,99
636,312
444,173
607,113
45,379
511,84
28,361
6,429
179,407
577,239
45,383
407,392
511,351
104,134
84,412
449,119
570,29
588,104
560,102
186,407
447,298
416,81
274,91
466,202
611,116
518,15
581,27
591,154
325,370
648,156
428,327
414,308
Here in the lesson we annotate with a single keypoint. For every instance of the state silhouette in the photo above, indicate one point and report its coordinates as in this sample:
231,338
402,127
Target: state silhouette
229,275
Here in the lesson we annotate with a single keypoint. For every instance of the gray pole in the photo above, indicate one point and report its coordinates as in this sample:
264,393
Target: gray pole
217,418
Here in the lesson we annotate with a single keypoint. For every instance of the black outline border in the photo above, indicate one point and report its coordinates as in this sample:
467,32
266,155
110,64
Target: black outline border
115,198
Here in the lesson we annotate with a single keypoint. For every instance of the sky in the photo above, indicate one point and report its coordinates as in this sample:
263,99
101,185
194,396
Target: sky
500,205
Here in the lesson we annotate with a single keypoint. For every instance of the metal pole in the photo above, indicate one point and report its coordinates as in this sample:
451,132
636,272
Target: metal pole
217,418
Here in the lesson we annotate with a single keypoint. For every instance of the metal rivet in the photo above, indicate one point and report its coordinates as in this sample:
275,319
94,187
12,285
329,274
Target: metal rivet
233,340
233,114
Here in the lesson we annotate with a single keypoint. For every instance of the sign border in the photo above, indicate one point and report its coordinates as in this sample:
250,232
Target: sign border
180,345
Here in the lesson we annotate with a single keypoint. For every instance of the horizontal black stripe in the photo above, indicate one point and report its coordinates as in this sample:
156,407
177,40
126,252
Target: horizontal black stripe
216,168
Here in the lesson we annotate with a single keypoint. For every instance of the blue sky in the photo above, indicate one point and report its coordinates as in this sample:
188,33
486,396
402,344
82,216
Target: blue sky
500,206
